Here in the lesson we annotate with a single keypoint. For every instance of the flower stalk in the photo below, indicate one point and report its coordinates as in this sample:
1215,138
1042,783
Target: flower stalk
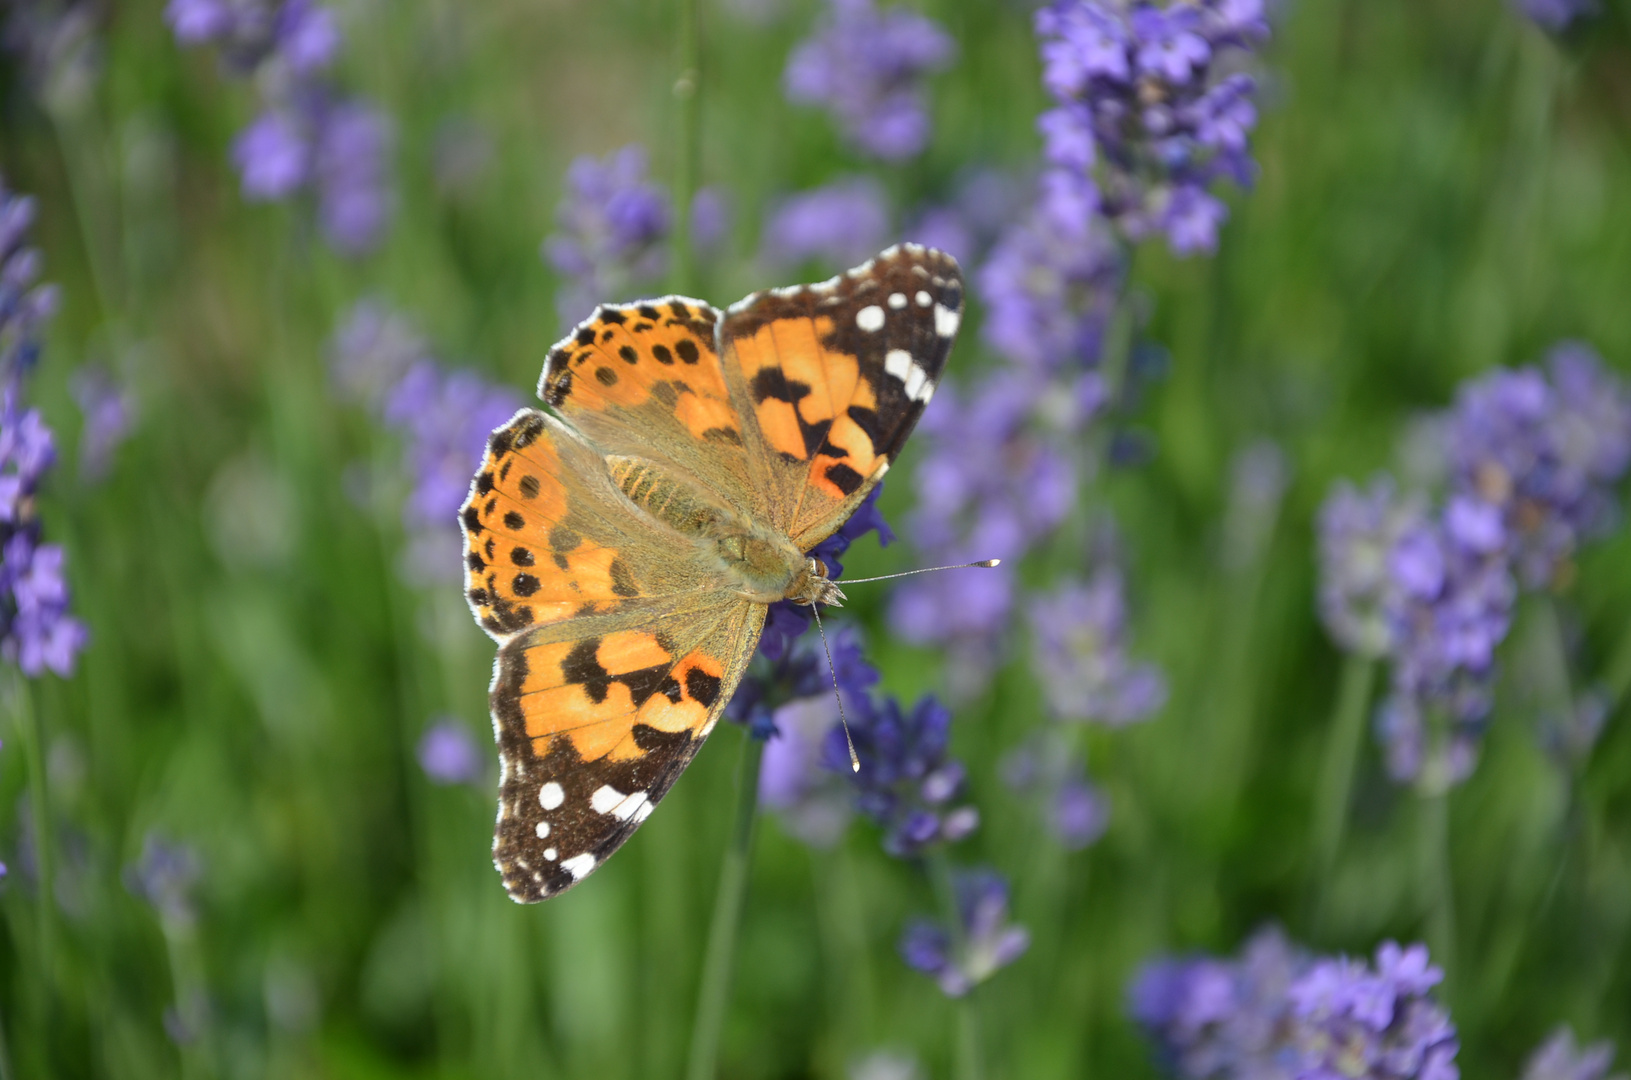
713,996
1345,733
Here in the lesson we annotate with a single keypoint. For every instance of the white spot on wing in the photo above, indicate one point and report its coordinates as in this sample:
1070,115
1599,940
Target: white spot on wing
542,830
550,854
915,382
897,300
945,320
605,799
551,795
579,865
870,318
924,299
898,362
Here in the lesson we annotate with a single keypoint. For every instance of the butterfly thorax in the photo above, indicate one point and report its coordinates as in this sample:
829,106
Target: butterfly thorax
764,563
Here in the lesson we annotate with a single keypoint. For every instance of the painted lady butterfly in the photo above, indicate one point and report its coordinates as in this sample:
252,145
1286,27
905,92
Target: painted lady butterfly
623,550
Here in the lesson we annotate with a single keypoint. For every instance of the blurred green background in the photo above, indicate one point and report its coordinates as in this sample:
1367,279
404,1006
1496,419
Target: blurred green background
1443,189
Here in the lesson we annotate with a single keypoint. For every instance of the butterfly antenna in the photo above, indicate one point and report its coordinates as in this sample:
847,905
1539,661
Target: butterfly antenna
923,570
854,761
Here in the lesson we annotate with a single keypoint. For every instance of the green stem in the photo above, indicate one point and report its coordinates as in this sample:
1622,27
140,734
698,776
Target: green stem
969,1054
75,150
22,696
1617,676
1435,875
713,998
1342,744
688,150
5,1053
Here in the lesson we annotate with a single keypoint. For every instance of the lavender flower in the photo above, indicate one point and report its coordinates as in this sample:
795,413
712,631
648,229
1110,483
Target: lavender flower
907,782
1081,653
1559,1058
448,754
1556,16
1277,1013
1046,771
109,413
985,943
1051,284
307,138
867,68
837,225
813,803
1144,125
991,485
165,876
36,630
1545,452
611,228
1358,531
445,417
1355,1020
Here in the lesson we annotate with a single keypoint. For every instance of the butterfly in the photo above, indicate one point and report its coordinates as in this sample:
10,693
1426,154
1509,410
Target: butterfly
624,547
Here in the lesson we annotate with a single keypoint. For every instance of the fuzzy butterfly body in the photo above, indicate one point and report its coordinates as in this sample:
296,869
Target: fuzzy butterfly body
624,549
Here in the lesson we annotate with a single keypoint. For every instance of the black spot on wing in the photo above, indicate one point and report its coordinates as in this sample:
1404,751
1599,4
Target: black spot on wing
702,687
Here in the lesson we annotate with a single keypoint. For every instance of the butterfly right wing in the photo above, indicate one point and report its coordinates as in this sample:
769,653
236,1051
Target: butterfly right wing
620,646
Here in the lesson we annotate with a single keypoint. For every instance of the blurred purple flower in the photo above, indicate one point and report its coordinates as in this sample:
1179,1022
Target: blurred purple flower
1556,16
36,630
1545,452
308,138
449,754
1358,531
444,416
867,67
1045,771
710,218
1559,1058
353,194
984,944
1143,127
839,224
165,877
1050,287
1081,654
991,484
813,803
612,227
1278,1013
108,410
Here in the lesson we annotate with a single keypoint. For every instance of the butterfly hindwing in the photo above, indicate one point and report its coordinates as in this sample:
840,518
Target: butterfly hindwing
835,376
596,718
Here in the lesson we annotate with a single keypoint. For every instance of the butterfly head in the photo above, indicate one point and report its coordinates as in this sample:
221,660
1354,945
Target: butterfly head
812,586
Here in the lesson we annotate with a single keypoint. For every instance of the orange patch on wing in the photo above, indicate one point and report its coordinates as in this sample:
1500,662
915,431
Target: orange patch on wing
630,650
630,354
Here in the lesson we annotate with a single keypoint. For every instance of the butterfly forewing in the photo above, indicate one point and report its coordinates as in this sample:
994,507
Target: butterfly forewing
835,376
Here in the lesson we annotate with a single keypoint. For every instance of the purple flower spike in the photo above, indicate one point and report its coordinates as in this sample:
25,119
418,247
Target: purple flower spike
866,67
989,942
1144,121
37,633
166,876
612,226
1277,1012
1082,656
109,413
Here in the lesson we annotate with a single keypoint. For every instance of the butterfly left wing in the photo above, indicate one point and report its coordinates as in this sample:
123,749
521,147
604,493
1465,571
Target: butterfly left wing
831,378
